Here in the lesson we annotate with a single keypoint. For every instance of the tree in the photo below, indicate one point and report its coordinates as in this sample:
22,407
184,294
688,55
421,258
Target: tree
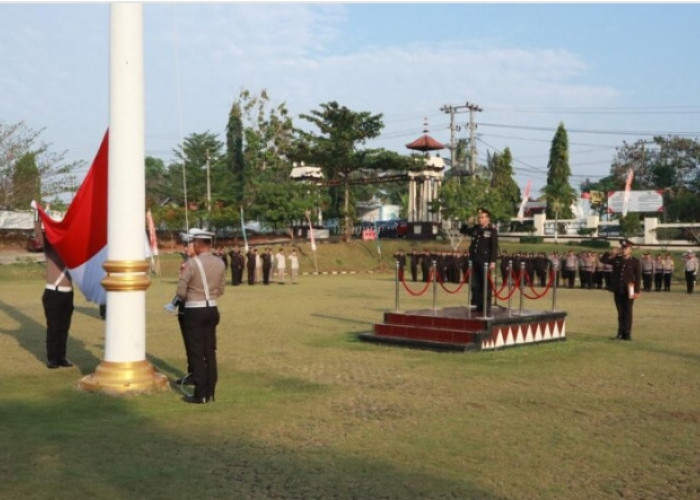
193,155
559,194
235,162
460,199
502,179
335,149
158,187
26,183
56,175
260,139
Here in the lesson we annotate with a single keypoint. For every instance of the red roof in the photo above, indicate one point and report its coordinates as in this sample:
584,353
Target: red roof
425,143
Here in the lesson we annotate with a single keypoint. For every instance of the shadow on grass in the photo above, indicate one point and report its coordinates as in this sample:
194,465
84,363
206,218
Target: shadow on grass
341,318
31,336
80,445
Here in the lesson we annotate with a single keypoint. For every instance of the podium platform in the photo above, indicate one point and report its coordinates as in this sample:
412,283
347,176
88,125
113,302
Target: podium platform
462,329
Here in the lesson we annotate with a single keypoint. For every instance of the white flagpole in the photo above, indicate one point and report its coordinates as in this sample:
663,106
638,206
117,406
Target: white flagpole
125,368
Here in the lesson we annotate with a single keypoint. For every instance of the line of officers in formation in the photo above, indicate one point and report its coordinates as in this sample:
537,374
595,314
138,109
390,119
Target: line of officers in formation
592,272
259,266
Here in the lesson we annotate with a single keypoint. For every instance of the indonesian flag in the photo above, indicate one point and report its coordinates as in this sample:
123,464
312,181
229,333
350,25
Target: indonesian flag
628,188
80,238
152,238
526,197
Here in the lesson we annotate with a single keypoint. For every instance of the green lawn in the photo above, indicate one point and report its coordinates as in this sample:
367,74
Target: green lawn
306,410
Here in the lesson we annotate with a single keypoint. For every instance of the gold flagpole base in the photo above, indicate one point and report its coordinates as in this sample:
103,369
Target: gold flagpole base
124,378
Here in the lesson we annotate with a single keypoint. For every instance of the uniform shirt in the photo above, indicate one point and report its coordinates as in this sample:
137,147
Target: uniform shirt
667,265
647,265
54,265
484,244
279,261
691,264
190,286
625,271
293,261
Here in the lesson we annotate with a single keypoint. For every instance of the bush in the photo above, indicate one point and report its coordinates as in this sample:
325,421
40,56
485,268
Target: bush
595,243
531,239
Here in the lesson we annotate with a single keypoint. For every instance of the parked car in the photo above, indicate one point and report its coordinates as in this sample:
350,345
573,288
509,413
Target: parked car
609,232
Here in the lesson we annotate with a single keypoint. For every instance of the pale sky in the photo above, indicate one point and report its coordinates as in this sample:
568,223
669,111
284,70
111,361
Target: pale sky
609,72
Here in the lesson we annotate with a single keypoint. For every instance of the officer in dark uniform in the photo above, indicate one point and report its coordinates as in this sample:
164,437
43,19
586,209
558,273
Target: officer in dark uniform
400,257
413,259
199,286
266,258
624,284
57,301
237,265
483,250
426,265
252,256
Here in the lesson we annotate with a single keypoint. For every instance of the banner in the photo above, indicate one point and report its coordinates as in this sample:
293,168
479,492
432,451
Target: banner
639,201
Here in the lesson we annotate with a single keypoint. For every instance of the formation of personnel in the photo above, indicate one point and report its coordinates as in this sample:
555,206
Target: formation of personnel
258,266
584,269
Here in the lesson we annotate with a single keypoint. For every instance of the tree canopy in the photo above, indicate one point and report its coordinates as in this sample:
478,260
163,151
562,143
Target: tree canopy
29,169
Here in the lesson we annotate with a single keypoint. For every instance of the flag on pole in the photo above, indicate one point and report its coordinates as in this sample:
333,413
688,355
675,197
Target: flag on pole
152,239
628,188
311,233
245,239
526,198
80,238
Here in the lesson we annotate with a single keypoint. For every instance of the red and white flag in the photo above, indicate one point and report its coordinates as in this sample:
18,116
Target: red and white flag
80,238
152,238
628,189
525,199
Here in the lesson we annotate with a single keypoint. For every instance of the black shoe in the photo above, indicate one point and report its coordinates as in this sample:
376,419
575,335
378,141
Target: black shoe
197,400
65,363
52,364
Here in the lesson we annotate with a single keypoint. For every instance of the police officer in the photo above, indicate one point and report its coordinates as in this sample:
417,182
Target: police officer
483,252
199,286
624,284
57,301
237,265
647,271
691,270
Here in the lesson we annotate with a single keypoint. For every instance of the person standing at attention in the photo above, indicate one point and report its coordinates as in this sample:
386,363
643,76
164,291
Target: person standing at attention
199,286
294,266
483,252
187,255
280,266
57,301
667,265
624,284
691,270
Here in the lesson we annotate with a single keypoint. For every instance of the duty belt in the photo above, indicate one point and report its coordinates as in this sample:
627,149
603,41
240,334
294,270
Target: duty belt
200,303
64,289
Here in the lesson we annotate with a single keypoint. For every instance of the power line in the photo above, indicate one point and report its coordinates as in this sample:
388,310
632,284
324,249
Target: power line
584,131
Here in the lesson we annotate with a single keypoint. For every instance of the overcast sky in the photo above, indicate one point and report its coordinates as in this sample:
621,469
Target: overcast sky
610,73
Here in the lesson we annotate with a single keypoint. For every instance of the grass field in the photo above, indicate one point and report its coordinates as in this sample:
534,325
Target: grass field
306,410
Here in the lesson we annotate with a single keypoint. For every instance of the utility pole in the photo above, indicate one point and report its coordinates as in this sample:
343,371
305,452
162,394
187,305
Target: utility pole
452,110
472,137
